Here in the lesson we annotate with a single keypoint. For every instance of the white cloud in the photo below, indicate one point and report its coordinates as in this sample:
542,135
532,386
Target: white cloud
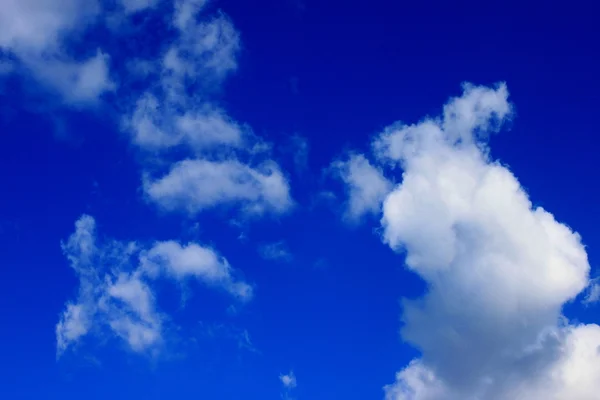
202,128
74,324
209,127
498,270
108,297
276,251
288,380
203,46
80,82
196,261
202,54
367,187
33,31
195,185
177,111
129,307
36,26
186,12
173,115
115,294
168,114
80,250
465,120
593,294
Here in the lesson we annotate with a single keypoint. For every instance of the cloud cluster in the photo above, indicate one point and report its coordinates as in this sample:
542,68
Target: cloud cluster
172,110
115,286
226,164
195,156
498,269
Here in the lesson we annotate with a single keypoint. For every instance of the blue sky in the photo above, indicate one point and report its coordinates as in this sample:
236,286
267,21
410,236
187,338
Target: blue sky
298,199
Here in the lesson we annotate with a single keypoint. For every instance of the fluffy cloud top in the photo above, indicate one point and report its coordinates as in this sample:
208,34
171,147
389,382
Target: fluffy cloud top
498,269
115,286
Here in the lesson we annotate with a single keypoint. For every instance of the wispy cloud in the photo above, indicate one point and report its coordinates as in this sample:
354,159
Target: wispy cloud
366,186
288,381
194,155
299,148
166,115
33,33
240,337
205,157
498,269
277,251
223,162
194,185
593,292
115,286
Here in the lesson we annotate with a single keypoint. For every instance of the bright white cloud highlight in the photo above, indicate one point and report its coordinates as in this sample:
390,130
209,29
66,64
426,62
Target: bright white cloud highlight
498,269
115,286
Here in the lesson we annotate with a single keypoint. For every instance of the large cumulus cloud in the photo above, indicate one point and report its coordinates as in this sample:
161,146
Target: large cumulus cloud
498,269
